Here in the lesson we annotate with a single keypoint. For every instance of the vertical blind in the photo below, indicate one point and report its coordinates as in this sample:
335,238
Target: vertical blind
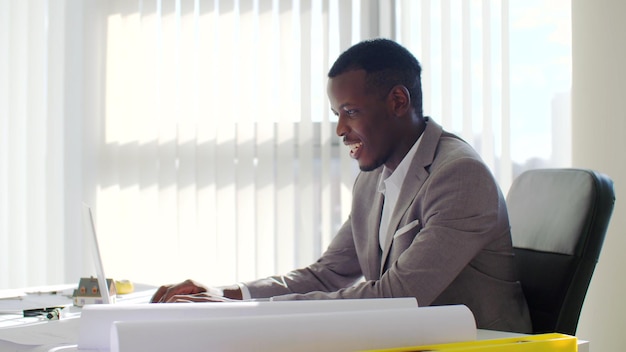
205,143
31,143
217,155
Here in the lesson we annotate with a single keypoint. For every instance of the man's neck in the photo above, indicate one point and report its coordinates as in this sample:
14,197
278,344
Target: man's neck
415,131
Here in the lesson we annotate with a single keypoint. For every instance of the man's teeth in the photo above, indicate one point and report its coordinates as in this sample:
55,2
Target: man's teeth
354,147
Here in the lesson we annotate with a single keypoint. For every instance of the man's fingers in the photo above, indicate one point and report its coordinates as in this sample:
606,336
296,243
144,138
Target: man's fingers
158,295
187,287
200,297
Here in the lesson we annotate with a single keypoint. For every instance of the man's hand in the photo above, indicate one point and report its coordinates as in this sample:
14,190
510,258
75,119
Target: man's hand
191,291
171,293
199,297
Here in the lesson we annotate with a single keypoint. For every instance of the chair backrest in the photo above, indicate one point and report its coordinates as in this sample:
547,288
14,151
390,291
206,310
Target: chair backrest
559,218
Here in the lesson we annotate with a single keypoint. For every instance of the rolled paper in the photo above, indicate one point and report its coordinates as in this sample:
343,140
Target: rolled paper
307,332
96,320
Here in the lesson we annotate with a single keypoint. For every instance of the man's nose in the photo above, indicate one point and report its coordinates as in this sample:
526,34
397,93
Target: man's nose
342,129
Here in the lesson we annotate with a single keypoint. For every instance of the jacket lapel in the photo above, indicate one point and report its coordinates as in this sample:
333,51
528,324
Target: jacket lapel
373,251
415,178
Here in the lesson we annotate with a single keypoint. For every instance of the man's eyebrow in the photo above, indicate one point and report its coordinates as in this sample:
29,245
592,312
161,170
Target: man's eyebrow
344,105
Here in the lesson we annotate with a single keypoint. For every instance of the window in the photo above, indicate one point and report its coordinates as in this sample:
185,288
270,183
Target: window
200,132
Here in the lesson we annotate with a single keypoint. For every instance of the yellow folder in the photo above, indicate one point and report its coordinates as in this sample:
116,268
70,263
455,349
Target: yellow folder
552,342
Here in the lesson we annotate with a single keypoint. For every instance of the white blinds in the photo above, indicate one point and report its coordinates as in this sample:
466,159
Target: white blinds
199,129
217,158
31,143
463,47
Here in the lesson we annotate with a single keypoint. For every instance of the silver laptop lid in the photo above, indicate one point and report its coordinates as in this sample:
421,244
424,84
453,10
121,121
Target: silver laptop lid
90,235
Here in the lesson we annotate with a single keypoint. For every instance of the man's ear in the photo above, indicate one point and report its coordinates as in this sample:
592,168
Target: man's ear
400,100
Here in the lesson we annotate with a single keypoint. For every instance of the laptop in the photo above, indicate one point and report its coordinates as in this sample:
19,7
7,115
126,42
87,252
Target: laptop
142,292
91,237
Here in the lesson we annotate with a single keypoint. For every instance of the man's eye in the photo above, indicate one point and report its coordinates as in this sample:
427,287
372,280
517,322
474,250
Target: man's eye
350,112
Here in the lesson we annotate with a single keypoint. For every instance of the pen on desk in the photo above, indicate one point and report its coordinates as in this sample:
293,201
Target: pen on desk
39,293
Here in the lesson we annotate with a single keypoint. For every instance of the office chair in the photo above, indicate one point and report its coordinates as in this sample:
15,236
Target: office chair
559,218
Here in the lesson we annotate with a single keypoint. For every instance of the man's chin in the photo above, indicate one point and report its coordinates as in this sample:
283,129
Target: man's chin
369,167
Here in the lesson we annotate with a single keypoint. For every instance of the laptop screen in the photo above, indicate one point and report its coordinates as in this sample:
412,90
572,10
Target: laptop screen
90,235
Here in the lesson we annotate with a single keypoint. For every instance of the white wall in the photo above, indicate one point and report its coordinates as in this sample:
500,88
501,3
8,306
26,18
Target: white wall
599,142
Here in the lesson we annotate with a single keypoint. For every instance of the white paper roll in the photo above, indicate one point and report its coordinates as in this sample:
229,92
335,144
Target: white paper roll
328,332
96,320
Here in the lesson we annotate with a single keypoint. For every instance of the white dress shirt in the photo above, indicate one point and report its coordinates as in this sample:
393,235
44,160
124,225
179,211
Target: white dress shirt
390,185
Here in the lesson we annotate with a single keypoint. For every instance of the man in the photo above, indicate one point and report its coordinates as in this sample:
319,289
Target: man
428,219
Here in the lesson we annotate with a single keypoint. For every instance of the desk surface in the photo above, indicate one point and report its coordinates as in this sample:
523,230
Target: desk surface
40,335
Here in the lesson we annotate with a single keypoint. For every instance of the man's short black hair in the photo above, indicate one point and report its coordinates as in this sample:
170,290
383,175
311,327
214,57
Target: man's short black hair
386,64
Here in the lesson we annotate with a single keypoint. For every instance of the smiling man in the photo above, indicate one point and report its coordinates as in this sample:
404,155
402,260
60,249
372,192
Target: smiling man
428,219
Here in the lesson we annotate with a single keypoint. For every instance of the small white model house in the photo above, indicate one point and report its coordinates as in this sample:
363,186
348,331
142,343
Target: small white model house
88,292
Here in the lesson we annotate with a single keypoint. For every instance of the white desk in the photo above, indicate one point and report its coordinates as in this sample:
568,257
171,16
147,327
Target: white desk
37,334
40,335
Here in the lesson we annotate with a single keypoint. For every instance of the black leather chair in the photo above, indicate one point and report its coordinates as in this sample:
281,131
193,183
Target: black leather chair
559,218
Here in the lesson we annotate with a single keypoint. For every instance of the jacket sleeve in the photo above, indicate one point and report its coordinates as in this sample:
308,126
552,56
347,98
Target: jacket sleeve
458,209
337,268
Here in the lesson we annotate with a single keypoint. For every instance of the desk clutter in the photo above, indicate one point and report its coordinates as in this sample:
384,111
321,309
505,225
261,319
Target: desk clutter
88,291
50,313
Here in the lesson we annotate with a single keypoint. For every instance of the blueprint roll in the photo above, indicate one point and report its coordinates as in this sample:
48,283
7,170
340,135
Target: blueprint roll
339,331
96,320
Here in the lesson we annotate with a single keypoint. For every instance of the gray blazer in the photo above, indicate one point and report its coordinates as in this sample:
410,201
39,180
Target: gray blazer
448,242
